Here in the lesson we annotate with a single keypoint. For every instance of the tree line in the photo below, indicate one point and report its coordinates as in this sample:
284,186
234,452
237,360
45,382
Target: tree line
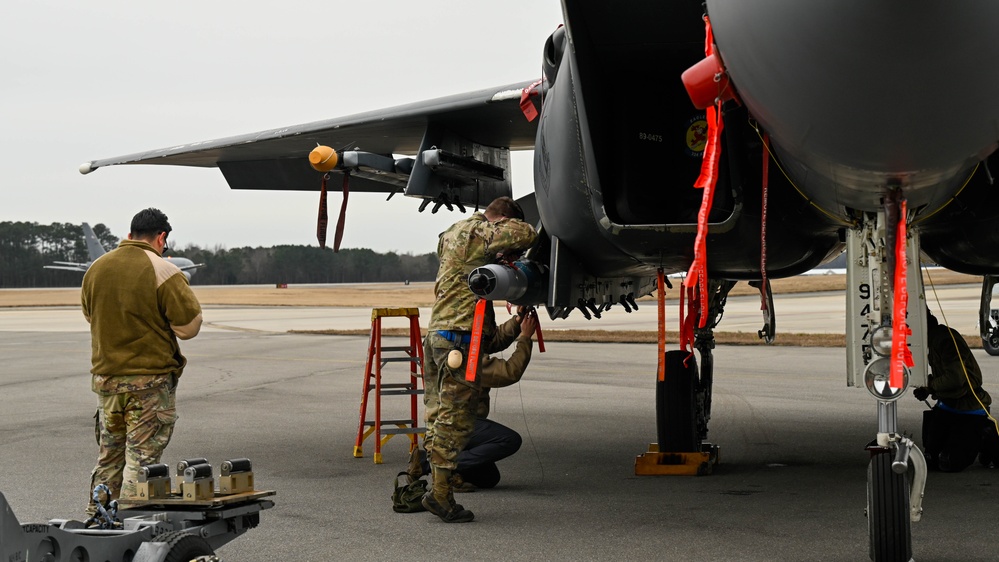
26,247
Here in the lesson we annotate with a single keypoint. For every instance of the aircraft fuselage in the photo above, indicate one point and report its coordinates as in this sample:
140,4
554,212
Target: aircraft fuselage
621,148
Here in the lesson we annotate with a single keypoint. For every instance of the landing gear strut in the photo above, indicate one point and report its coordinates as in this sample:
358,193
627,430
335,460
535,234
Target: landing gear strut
988,317
896,473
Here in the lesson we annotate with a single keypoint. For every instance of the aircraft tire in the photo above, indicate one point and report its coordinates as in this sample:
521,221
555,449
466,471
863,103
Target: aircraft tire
991,344
888,511
676,405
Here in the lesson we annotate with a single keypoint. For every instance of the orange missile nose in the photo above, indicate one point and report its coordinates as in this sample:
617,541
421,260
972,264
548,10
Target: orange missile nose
323,158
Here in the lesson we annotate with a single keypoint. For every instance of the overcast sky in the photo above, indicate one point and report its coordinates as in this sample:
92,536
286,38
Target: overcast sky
102,78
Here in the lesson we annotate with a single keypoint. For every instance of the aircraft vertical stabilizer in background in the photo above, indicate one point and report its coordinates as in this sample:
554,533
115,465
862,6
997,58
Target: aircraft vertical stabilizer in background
96,250
808,128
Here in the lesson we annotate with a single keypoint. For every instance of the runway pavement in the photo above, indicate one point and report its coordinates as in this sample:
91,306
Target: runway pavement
790,485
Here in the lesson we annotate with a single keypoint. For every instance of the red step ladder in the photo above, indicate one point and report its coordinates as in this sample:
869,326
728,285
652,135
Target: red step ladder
412,354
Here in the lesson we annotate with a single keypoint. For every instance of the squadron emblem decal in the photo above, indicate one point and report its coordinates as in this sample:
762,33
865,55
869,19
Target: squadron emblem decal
697,135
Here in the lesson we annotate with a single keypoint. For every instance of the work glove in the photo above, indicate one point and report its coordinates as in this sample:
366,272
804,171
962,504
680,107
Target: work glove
921,393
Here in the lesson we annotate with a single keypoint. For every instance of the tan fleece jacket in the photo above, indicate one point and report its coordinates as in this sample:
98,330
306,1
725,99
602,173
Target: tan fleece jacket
138,305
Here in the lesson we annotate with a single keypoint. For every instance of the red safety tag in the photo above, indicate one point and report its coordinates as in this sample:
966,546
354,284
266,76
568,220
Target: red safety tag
763,223
472,364
687,322
526,105
661,302
323,217
681,315
343,213
537,330
900,352
698,273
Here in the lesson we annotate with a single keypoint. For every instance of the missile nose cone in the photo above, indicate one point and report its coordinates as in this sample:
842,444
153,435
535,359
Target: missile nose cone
478,283
86,168
323,158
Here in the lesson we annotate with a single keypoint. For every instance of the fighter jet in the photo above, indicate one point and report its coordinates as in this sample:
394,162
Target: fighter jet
731,140
95,250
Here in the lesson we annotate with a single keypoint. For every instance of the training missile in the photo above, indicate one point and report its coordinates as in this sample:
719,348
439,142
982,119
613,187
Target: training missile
522,283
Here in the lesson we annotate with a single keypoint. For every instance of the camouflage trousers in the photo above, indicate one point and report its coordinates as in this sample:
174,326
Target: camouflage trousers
132,429
450,401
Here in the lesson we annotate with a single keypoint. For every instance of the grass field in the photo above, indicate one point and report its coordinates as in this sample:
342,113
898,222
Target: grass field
422,295
414,294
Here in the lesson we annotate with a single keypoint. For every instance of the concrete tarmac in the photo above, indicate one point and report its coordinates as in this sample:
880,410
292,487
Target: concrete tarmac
791,484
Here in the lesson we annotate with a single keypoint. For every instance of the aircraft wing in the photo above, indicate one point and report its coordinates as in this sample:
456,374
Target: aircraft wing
457,146
193,266
68,266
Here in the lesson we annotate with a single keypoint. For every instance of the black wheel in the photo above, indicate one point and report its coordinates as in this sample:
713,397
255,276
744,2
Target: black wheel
676,405
888,511
991,344
180,547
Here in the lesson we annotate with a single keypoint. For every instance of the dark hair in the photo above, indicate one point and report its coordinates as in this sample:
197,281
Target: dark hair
149,222
506,207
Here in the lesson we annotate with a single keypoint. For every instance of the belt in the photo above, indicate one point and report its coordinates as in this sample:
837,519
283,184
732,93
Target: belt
942,406
455,337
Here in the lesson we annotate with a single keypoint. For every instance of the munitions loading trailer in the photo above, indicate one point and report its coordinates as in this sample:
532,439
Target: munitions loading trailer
171,526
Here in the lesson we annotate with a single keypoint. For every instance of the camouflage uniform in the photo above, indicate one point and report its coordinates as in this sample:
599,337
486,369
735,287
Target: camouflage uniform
138,305
451,400
133,429
469,244
493,373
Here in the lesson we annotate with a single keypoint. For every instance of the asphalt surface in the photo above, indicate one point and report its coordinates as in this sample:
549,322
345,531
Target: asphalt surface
790,484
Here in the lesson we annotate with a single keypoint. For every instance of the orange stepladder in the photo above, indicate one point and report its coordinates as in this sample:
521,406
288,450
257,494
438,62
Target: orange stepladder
413,387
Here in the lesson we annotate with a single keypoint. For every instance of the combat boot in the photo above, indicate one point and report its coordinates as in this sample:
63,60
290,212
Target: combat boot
440,501
415,468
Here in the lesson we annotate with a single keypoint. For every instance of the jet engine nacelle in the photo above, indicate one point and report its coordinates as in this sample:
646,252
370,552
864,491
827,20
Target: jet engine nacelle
554,49
523,283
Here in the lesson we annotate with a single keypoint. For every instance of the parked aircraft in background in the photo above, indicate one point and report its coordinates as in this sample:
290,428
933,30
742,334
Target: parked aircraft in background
835,266
815,127
96,250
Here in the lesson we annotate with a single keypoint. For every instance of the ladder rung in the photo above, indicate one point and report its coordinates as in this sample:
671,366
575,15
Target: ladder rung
410,372
399,359
393,385
383,312
405,348
390,422
401,392
399,430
